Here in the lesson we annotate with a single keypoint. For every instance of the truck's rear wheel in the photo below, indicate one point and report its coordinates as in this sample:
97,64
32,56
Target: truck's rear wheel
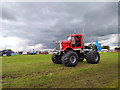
70,59
56,59
93,57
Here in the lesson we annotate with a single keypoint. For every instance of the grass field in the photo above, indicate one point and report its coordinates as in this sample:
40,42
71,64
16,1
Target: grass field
38,71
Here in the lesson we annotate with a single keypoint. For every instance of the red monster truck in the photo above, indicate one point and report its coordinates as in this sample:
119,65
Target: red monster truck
71,51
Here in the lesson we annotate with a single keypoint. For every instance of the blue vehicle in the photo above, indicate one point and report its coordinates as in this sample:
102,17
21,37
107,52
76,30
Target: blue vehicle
5,52
33,53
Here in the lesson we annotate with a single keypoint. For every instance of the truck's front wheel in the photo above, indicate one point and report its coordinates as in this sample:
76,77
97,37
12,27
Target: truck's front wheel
70,59
56,59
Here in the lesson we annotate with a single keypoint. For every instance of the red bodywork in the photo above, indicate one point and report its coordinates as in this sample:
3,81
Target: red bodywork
68,44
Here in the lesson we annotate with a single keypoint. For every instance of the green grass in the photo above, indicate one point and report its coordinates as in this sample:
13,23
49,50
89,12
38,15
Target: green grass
38,71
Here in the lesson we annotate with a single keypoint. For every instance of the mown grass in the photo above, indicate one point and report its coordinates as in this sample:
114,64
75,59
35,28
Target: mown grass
38,71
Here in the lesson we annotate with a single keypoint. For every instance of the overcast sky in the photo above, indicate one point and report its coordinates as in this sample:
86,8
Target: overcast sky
35,25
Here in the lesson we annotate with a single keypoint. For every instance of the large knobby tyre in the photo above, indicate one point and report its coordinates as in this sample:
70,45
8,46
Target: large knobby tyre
56,59
70,59
80,57
93,57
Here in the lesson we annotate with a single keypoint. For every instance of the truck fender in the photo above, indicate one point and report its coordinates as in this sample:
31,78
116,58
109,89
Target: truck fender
67,48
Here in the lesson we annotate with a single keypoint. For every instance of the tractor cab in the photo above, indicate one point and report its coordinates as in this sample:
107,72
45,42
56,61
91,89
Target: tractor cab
74,42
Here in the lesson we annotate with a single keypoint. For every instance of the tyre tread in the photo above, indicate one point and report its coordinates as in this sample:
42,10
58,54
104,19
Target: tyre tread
65,58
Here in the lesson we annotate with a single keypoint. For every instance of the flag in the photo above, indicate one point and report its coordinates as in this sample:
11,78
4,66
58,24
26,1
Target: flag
98,46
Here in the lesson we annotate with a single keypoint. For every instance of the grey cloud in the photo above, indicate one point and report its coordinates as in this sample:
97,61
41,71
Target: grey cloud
45,22
5,15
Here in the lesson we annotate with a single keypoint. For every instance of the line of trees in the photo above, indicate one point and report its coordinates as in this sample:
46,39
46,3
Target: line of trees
106,47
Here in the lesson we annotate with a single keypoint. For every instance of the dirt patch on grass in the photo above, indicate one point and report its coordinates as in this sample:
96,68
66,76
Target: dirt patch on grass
32,74
13,77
